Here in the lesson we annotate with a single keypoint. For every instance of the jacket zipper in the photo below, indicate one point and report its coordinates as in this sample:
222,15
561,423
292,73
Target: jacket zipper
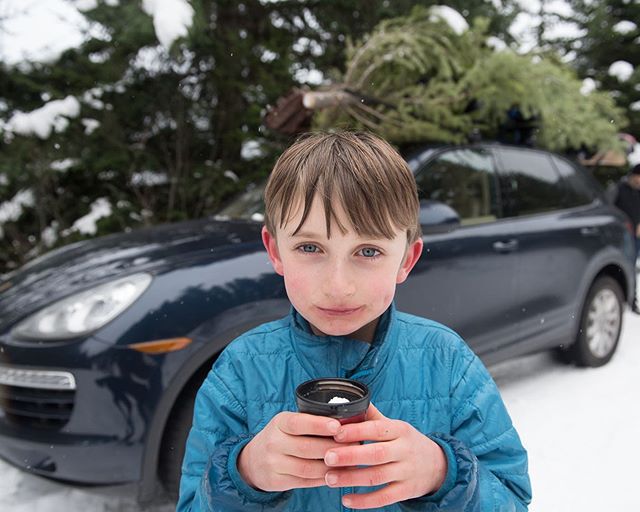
350,490
345,490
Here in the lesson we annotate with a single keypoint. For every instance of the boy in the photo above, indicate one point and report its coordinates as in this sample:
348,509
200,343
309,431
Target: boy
341,227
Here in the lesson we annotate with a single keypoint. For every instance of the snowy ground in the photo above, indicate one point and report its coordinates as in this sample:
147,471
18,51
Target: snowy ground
580,427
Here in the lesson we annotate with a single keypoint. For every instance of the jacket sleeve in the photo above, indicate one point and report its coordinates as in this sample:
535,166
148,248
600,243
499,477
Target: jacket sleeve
210,478
487,464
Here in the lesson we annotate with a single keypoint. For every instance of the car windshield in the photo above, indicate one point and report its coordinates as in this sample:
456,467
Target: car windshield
416,158
247,205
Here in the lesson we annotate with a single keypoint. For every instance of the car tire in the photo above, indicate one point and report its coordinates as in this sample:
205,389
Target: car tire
600,325
174,440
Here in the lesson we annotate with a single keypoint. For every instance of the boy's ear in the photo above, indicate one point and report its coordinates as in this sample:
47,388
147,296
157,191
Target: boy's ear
271,246
411,258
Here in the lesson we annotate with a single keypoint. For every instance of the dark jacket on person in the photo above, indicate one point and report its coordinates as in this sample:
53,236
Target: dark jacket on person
628,200
417,370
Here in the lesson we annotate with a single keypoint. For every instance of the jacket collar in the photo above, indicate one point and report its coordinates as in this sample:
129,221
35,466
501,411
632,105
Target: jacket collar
341,356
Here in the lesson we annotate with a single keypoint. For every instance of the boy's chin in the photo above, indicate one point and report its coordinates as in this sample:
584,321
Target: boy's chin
334,329
350,329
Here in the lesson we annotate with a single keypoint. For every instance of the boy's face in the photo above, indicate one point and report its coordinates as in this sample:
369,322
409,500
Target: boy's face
342,284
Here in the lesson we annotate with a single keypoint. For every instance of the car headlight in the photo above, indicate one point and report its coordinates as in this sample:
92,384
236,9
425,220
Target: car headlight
83,312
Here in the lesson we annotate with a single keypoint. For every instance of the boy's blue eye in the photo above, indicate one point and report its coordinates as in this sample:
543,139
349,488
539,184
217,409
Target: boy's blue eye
370,252
308,248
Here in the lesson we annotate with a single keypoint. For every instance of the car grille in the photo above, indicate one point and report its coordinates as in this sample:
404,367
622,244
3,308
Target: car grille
39,398
38,408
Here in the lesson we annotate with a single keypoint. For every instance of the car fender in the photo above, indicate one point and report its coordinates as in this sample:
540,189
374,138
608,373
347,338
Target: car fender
209,339
610,262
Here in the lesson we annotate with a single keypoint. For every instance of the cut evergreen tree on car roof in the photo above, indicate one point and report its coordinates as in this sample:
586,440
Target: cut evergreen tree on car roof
416,79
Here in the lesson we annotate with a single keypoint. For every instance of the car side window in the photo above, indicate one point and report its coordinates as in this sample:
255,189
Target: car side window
463,179
579,189
530,183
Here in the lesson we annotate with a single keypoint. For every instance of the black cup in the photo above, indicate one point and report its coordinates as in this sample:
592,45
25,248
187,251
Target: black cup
313,397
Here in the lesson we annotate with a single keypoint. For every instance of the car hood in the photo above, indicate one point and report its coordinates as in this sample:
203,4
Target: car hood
83,264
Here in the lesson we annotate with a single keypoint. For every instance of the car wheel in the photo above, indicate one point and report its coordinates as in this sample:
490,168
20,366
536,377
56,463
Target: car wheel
600,325
174,440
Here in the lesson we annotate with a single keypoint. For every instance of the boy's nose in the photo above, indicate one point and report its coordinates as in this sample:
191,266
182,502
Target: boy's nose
339,282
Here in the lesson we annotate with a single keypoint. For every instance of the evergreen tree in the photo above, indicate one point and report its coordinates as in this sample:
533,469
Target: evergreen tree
609,35
147,134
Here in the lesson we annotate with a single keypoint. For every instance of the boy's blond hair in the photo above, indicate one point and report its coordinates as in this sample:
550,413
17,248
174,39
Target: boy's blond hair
358,170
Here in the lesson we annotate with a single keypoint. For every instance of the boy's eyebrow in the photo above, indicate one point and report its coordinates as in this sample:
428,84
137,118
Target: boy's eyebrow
304,234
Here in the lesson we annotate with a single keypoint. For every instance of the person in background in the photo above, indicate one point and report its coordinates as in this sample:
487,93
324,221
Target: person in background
628,200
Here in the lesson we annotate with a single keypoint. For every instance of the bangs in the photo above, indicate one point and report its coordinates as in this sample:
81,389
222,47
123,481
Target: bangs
358,173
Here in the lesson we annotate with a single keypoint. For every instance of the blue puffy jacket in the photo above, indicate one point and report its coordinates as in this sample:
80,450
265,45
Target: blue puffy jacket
417,370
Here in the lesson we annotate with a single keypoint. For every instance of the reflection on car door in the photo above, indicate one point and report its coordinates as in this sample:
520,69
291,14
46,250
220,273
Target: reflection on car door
465,277
556,243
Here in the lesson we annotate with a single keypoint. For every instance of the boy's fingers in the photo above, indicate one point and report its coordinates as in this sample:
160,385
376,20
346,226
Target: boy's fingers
301,424
362,455
373,413
364,477
293,482
302,468
370,430
392,493
309,447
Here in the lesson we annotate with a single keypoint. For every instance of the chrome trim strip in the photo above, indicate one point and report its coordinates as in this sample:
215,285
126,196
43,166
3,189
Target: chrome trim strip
39,379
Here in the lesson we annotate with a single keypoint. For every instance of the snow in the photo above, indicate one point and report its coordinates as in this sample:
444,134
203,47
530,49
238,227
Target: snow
231,175
90,125
92,98
588,85
304,44
624,27
87,224
63,165
49,235
621,69
524,28
496,43
171,19
452,17
307,76
51,116
268,56
149,178
39,31
251,149
12,209
579,426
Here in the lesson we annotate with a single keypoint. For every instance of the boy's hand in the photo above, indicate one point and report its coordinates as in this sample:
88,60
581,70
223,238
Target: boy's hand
285,454
408,461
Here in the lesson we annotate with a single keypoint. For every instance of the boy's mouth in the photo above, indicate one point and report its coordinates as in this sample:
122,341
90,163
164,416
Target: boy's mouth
339,311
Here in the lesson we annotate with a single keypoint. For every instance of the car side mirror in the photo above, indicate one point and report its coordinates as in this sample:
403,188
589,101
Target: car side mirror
437,217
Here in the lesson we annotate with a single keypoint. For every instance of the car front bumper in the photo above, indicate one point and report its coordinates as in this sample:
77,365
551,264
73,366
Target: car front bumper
76,411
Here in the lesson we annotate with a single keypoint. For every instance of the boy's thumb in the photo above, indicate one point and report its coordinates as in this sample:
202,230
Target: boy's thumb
373,413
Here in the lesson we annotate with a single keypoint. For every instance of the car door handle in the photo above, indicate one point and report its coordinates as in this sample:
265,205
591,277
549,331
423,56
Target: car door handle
505,246
589,231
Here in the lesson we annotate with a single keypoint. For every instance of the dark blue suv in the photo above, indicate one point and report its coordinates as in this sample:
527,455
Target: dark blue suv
104,343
